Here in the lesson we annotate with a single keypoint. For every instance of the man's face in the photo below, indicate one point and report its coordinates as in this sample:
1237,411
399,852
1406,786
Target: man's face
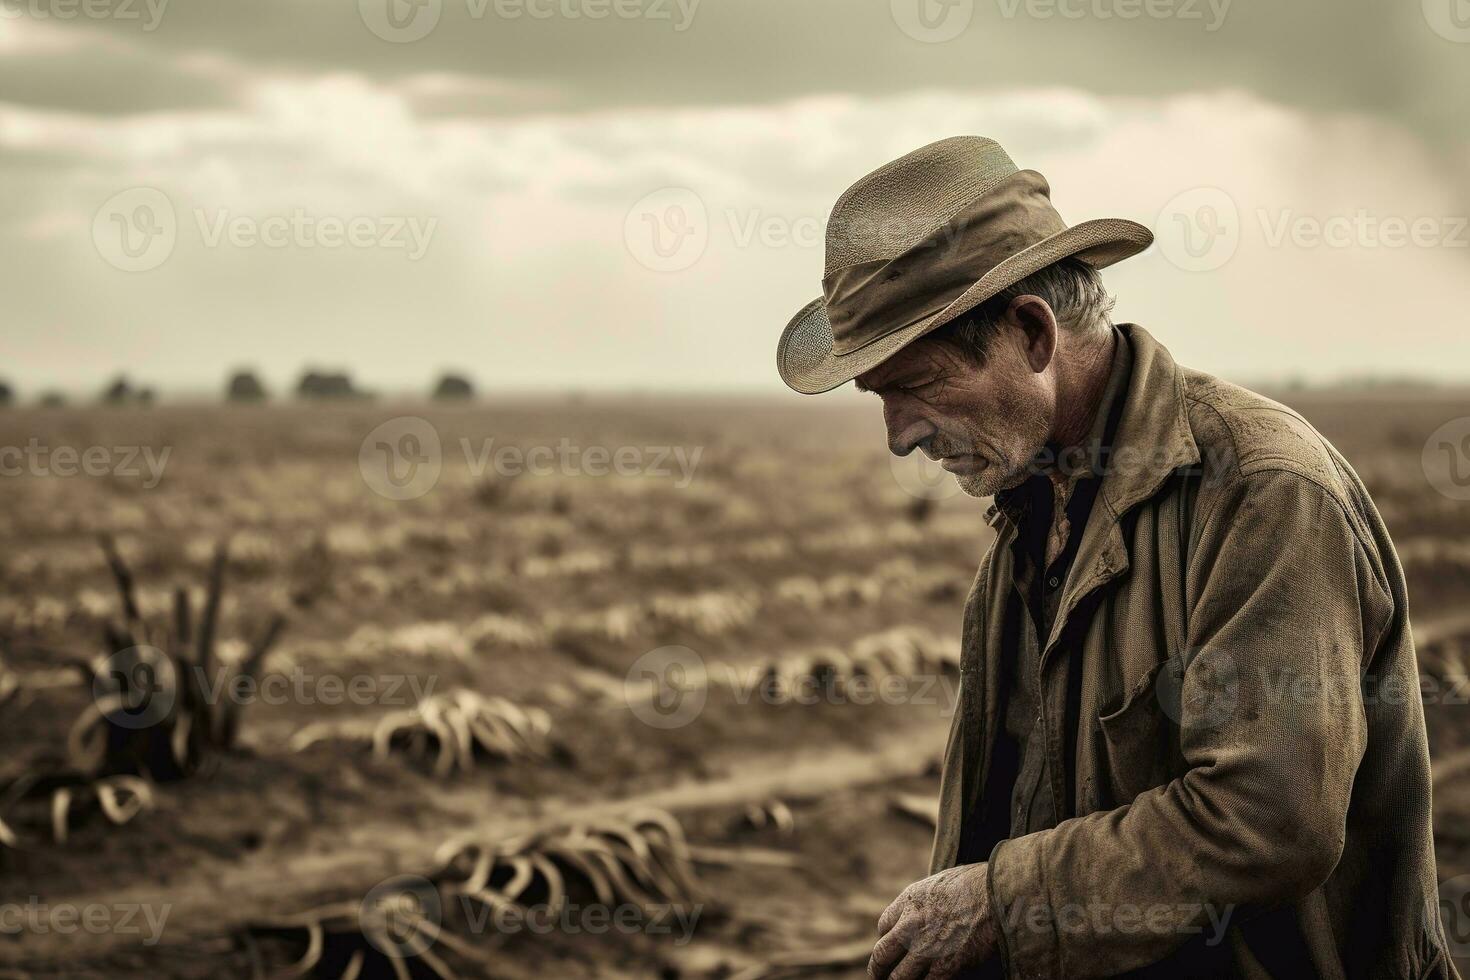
983,423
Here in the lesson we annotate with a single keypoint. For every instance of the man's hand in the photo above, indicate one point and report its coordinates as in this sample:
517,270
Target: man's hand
937,927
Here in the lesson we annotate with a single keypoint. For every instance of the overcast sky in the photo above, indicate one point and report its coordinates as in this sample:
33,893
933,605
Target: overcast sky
631,193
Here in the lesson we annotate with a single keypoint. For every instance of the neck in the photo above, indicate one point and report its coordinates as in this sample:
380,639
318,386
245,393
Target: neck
1077,407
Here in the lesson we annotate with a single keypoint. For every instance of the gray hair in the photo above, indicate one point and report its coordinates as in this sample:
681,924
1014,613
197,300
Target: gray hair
1072,288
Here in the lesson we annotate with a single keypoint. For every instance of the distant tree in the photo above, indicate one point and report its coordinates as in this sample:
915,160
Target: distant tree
6,394
120,392
53,399
244,386
326,385
454,387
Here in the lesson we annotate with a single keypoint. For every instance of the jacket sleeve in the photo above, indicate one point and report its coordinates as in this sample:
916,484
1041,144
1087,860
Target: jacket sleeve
1283,603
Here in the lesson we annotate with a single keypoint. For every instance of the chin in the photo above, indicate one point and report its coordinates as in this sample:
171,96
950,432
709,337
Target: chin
978,484
988,483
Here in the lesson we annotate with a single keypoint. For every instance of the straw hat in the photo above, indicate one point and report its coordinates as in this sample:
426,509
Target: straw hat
923,240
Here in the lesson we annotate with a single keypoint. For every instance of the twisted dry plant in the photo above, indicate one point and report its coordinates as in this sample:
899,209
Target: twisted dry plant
456,729
155,714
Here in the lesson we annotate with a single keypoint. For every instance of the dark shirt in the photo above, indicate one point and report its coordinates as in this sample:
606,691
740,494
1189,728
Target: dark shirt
1041,798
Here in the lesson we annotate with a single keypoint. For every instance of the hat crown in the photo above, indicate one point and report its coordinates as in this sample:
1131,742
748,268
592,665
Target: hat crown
904,201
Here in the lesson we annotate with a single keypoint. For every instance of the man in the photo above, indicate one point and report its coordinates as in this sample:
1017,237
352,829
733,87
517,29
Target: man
1174,753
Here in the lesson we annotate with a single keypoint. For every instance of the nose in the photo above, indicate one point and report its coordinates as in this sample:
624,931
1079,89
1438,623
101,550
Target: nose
905,431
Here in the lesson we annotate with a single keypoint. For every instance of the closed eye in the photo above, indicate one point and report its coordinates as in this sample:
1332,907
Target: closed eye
906,388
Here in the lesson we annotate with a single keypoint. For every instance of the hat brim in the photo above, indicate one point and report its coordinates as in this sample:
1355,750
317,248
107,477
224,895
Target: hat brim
804,355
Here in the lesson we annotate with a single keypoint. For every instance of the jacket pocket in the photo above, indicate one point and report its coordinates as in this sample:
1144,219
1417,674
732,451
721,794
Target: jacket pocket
1136,741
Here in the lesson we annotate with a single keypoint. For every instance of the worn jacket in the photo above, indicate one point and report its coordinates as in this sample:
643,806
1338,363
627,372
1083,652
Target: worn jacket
1248,762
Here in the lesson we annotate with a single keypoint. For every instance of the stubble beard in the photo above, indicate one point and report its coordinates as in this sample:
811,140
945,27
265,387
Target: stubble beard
1009,470
987,482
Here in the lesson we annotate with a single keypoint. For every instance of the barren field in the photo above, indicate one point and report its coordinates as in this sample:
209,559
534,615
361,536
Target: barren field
392,726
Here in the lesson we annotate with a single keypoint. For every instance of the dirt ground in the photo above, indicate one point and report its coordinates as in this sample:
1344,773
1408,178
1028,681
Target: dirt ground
790,541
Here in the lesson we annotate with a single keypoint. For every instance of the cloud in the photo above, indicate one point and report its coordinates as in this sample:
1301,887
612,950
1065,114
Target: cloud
55,65
531,277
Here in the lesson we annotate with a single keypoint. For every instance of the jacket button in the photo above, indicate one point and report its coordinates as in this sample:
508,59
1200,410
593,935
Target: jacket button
1053,581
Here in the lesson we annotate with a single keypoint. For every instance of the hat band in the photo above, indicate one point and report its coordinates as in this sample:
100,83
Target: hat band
871,300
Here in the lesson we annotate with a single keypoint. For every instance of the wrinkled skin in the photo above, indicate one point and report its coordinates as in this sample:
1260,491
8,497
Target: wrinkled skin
936,927
985,423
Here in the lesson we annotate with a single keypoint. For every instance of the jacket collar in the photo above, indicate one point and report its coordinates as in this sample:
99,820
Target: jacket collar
1154,436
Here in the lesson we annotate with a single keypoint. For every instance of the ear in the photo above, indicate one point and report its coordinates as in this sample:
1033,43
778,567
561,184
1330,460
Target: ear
1033,316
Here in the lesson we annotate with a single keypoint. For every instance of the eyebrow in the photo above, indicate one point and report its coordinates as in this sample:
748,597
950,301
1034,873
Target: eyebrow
895,379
